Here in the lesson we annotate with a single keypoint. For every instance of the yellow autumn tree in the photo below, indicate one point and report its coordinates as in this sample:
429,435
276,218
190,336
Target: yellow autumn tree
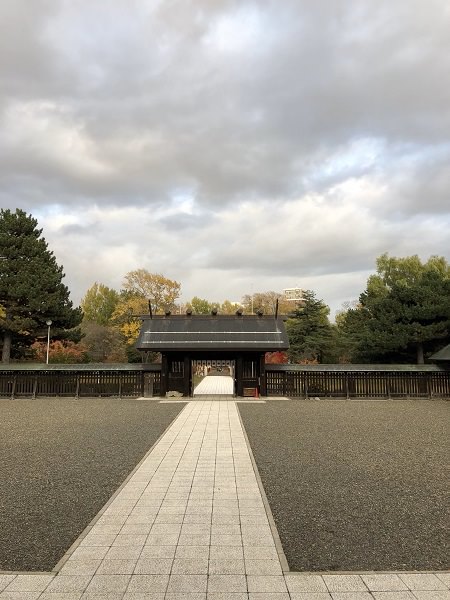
126,315
154,287
139,288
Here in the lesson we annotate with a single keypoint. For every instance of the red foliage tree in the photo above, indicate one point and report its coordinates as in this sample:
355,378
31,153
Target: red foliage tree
66,352
276,358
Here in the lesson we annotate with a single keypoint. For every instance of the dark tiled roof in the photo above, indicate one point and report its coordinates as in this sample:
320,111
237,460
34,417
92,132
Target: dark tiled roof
209,332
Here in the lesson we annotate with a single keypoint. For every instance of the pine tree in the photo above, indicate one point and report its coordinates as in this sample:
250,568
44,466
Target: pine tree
31,288
404,314
309,330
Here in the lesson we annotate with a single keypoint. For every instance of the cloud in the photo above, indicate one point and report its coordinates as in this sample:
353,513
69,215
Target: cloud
228,143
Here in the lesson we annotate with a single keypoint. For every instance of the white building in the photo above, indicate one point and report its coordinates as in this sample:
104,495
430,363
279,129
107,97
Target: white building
293,294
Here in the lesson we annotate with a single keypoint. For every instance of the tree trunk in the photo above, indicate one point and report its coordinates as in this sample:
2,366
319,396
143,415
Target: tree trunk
6,351
420,359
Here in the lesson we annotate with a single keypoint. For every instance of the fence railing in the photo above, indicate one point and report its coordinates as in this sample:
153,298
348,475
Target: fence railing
294,381
358,384
22,384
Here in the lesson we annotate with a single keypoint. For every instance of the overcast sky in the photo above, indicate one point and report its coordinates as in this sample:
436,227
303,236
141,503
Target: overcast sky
234,146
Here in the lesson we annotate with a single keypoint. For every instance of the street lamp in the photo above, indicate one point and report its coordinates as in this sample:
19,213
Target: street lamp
49,322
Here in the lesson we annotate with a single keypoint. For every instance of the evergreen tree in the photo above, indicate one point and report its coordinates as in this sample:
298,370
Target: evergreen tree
309,330
404,313
31,288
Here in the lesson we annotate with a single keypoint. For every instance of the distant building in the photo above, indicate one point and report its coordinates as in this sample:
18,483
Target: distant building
293,294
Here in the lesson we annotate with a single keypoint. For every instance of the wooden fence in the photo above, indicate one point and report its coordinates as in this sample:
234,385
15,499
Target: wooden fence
21,384
302,383
295,381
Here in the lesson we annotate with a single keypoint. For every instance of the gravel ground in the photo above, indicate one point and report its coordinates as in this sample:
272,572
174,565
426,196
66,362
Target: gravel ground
60,461
355,485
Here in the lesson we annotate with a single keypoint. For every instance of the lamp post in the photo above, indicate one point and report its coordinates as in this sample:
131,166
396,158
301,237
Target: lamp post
49,322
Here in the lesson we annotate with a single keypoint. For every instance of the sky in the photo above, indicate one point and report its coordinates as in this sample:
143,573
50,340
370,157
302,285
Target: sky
233,146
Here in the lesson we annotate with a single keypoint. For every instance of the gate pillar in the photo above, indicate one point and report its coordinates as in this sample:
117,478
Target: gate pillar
262,376
164,375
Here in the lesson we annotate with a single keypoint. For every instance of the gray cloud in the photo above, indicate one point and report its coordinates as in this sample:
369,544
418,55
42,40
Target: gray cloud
244,141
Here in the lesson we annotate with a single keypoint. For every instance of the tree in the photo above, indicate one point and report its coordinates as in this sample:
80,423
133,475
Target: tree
60,352
266,302
345,342
103,343
404,312
99,303
126,315
309,330
276,358
229,308
31,288
160,291
200,306
139,288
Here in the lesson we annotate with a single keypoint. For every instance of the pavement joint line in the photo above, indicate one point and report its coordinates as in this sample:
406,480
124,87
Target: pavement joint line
202,427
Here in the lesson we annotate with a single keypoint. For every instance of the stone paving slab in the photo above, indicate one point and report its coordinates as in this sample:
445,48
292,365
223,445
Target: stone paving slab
215,384
191,523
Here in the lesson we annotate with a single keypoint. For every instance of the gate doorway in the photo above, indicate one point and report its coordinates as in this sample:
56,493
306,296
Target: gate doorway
230,348
213,377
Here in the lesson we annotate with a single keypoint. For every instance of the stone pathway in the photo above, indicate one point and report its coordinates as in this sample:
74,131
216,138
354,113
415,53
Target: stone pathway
215,385
191,524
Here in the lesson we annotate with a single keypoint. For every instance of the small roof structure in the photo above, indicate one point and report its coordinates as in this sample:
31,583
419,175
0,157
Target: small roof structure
443,354
356,368
243,333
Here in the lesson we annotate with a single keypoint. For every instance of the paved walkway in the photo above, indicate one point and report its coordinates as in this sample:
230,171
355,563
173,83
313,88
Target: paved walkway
191,524
215,384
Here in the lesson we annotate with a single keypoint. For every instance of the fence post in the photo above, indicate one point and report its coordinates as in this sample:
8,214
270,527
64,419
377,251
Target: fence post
77,389
35,383
120,385
347,386
306,385
13,391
